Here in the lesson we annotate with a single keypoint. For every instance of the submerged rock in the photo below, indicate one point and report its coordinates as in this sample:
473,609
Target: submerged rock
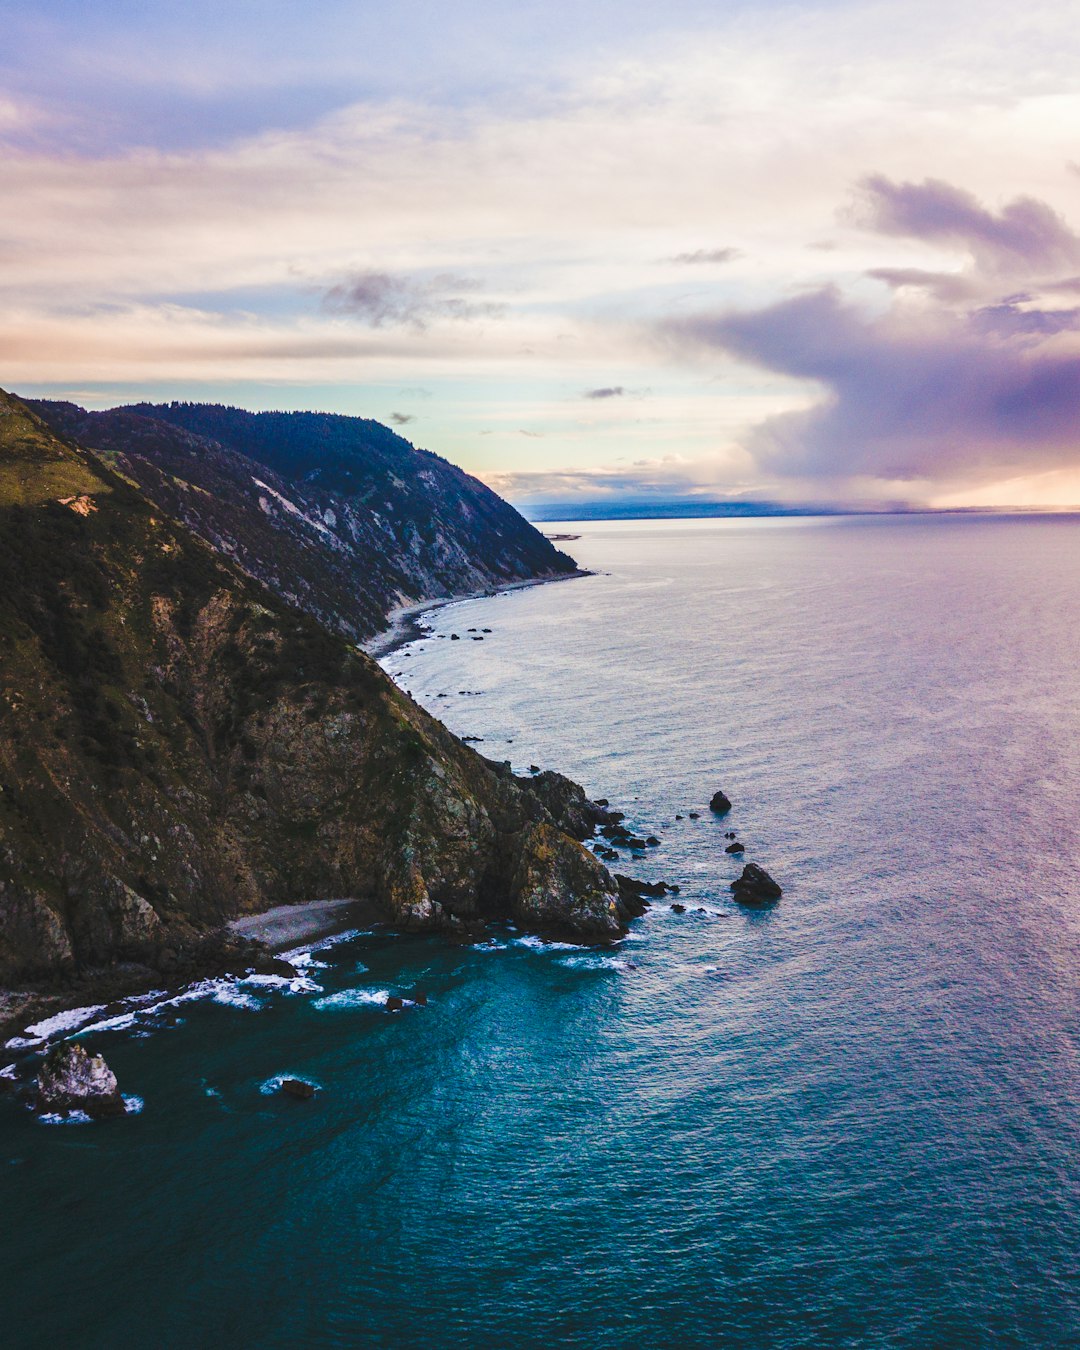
677,909
73,1080
720,803
394,1004
755,887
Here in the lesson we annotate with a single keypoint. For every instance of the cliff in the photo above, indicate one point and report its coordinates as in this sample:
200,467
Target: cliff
337,515
179,747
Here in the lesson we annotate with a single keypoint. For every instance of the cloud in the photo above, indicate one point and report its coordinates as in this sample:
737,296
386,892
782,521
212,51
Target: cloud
381,299
1025,233
708,255
610,391
946,286
402,419
659,480
918,393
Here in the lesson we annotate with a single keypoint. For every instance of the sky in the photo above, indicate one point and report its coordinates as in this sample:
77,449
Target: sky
805,253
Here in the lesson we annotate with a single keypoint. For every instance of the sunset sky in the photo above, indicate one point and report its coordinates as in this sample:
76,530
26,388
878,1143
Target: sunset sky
808,253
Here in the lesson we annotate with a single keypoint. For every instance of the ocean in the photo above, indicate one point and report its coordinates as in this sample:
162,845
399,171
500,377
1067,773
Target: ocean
850,1120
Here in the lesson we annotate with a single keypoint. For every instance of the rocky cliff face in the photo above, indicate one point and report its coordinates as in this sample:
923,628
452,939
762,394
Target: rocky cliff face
178,747
336,515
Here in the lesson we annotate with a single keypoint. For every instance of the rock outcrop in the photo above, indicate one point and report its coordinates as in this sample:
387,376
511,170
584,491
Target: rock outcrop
755,887
720,803
73,1080
178,747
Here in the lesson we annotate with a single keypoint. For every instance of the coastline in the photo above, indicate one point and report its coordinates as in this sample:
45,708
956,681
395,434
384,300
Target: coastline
405,622
273,930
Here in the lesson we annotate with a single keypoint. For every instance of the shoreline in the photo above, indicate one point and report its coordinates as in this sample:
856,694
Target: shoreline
405,624
281,929
287,926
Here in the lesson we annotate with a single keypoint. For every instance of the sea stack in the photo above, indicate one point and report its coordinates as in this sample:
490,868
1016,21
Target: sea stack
720,804
755,887
73,1080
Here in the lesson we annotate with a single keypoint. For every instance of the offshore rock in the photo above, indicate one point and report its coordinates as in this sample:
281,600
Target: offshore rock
735,848
755,887
720,803
72,1080
298,1089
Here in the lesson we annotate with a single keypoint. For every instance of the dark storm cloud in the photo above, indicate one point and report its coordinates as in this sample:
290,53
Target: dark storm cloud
1025,232
402,419
384,300
911,394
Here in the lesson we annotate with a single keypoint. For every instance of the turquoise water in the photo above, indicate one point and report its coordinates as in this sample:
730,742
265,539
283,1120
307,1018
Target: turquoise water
847,1121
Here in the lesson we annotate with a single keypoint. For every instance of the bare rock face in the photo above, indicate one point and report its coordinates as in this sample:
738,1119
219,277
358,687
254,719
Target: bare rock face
566,803
560,886
73,1080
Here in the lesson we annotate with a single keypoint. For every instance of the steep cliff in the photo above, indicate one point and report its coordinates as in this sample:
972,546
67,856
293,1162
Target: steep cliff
337,515
177,747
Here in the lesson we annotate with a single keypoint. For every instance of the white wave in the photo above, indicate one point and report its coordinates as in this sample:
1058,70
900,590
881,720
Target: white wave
220,990
133,1105
303,959
11,1071
336,939
298,984
352,998
539,944
490,945
597,961
120,1022
64,1118
64,1021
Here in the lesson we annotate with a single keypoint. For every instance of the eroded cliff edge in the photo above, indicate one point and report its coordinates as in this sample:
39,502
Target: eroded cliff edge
178,747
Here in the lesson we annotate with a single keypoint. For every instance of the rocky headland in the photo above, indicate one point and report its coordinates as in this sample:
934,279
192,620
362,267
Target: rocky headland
180,747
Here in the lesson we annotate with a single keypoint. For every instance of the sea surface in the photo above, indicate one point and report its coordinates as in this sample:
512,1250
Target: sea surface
847,1121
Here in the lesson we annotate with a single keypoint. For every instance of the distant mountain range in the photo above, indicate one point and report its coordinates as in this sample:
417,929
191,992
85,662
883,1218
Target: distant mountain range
630,509
337,515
